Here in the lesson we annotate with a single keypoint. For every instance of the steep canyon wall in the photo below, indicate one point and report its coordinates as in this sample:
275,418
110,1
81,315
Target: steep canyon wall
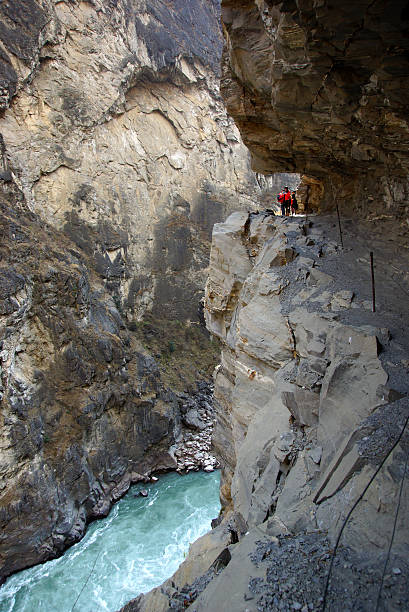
311,392
311,400
117,159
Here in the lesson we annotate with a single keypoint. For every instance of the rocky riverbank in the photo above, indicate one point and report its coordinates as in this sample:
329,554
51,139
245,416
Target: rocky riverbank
193,449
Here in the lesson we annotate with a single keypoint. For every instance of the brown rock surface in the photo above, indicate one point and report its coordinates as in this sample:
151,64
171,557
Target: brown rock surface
320,88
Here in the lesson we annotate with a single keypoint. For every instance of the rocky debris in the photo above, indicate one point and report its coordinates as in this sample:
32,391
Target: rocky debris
181,598
296,570
194,448
318,89
289,573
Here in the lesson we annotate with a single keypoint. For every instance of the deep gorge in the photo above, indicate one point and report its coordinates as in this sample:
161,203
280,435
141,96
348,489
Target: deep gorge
122,173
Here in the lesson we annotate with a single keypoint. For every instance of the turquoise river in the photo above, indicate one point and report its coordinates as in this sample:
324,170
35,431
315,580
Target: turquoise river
138,546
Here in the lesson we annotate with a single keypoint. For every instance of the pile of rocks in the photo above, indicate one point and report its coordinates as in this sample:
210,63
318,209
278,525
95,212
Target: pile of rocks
193,449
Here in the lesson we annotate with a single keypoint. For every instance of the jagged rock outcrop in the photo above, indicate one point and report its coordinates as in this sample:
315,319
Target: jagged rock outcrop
311,396
116,159
320,88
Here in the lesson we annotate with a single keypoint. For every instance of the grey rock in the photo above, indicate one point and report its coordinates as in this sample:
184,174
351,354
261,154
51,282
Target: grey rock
316,454
192,419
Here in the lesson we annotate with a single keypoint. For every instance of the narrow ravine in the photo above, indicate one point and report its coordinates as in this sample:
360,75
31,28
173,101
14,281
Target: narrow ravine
138,546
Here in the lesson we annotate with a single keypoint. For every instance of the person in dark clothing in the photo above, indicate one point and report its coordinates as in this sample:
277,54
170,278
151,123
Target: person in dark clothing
294,203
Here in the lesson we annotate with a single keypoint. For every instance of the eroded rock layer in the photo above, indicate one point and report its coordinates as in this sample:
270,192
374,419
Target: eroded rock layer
321,88
117,158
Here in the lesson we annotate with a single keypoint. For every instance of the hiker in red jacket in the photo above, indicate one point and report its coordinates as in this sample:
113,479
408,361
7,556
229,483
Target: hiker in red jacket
287,201
281,201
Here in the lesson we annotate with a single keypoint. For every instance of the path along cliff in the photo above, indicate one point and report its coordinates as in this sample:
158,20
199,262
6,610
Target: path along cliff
312,389
101,226
321,88
311,397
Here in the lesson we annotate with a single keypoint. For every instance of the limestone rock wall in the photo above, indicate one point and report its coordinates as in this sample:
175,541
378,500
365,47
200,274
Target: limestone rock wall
116,135
117,157
320,88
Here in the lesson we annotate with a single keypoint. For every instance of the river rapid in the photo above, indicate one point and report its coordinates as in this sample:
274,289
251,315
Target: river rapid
138,546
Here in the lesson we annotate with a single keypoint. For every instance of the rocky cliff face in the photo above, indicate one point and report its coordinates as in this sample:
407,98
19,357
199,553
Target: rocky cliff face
117,159
320,88
117,136
311,400
312,395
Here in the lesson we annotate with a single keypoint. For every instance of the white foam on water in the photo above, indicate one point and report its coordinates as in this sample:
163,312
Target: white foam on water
138,546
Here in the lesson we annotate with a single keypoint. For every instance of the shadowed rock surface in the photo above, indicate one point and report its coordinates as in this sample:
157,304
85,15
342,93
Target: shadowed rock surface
320,88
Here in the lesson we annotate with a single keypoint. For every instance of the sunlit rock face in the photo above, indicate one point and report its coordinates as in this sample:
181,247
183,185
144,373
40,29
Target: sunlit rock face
117,136
117,158
320,88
